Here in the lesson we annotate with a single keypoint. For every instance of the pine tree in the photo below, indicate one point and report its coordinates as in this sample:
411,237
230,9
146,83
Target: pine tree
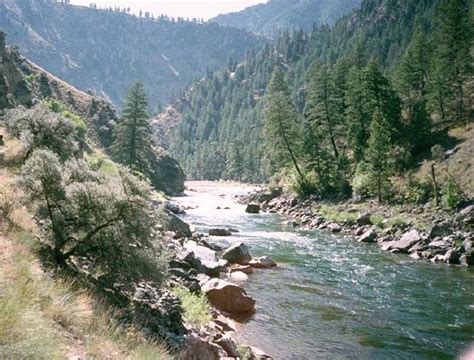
280,125
378,152
453,61
132,144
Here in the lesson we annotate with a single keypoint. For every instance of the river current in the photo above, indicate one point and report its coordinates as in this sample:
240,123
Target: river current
334,298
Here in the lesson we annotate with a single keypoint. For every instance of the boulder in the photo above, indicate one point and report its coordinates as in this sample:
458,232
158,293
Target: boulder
198,348
247,269
467,245
259,354
228,297
440,230
364,220
407,240
466,215
238,276
335,228
263,262
467,259
178,226
443,243
237,254
229,345
174,208
369,236
252,209
219,232
452,256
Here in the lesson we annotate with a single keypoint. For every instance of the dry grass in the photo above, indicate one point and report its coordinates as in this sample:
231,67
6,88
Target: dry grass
48,318
13,151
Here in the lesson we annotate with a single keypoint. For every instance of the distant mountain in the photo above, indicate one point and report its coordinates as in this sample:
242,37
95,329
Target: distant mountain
106,50
279,15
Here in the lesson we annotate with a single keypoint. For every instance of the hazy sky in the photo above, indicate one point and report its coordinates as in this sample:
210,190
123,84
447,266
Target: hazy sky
184,8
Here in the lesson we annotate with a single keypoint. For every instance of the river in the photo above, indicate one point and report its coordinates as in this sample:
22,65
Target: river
334,298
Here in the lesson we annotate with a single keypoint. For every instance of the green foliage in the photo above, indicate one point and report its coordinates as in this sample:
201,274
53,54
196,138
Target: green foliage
132,144
245,352
196,308
362,182
452,195
332,213
417,192
39,128
57,107
104,219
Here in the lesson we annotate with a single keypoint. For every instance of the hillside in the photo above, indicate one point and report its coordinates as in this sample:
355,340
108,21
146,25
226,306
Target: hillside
165,54
23,83
279,15
222,115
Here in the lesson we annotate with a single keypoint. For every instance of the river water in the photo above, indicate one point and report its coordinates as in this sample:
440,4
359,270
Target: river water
333,298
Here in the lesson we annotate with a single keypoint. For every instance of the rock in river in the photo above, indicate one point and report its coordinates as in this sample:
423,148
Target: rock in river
369,236
252,209
237,254
263,262
219,232
228,297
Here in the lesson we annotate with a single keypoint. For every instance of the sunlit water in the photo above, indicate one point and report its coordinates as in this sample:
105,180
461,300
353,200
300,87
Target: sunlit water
333,298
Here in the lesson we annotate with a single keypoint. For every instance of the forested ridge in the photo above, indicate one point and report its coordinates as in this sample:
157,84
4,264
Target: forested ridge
278,15
398,69
105,50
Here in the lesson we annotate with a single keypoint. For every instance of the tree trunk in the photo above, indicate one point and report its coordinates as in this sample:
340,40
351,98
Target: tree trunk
435,185
379,188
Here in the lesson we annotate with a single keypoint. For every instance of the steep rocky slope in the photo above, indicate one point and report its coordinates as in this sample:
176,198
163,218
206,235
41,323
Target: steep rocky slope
107,50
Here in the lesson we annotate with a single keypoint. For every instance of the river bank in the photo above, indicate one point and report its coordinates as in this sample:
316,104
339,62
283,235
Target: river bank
422,232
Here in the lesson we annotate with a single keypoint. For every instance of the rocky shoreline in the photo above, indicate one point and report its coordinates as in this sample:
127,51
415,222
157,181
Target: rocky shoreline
203,267
429,234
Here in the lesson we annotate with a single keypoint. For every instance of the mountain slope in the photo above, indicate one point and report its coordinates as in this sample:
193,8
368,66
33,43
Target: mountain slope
106,50
279,15
221,119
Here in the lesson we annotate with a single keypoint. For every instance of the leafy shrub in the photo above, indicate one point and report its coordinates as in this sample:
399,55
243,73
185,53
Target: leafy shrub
417,192
362,182
451,194
103,219
58,108
196,308
38,127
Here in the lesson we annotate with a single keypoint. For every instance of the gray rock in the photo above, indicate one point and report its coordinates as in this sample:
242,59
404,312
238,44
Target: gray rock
247,269
335,228
452,256
237,254
440,229
467,259
440,244
467,245
178,226
263,262
252,209
408,239
228,297
369,236
219,232
364,220
196,347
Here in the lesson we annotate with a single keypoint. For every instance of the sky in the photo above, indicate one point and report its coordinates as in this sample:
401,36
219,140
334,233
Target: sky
205,9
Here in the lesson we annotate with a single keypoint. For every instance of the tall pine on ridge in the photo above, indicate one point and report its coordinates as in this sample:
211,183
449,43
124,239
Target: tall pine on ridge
132,144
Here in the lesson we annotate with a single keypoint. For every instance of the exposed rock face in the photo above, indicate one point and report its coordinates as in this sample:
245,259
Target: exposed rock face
252,209
237,254
166,175
263,262
228,297
440,229
369,236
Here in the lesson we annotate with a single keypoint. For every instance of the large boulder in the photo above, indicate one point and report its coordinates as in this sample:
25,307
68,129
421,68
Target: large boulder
237,254
440,229
263,262
364,220
334,227
219,232
197,348
407,240
203,259
252,209
369,236
228,297
466,215
178,226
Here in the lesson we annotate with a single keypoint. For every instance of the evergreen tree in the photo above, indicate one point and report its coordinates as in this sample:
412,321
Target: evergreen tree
453,61
280,125
132,144
379,153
